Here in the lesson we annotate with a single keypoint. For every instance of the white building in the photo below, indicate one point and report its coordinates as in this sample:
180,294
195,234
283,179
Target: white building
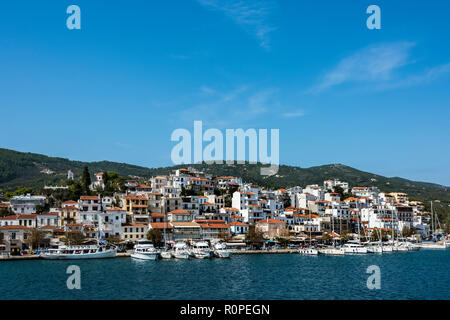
26,204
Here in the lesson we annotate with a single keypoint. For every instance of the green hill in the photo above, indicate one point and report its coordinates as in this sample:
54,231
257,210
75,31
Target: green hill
26,170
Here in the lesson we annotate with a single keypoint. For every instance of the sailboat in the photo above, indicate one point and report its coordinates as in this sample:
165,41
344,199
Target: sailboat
335,251
400,246
434,244
165,254
355,246
310,251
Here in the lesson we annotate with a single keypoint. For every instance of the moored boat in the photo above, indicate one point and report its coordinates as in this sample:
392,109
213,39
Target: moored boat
181,251
433,245
354,247
333,251
220,250
309,251
145,250
166,254
80,252
201,250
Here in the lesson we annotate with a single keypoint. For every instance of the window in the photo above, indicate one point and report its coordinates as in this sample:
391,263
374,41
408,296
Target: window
13,236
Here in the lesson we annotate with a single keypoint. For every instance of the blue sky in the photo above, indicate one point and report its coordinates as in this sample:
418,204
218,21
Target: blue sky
377,100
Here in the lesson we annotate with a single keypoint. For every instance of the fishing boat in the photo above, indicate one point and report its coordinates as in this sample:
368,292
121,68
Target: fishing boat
220,250
98,251
144,250
201,250
181,251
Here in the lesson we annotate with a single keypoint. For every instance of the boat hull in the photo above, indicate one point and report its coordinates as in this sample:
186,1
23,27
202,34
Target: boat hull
202,255
309,252
332,252
96,255
433,246
355,250
166,255
181,255
375,250
145,256
222,253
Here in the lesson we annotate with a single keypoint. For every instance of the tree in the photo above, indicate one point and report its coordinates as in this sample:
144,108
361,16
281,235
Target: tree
407,232
155,236
36,238
5,212
76,191
254,236
282,241
74,238
225,235
86,180
115,239
326,237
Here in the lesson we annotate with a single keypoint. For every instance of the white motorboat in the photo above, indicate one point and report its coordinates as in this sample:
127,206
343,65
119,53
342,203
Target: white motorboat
166,254
401,247
387,248
374,249
80,252
308,251
354,247
201,250
220,250
412,246
181,251
145,250
334,251
433,245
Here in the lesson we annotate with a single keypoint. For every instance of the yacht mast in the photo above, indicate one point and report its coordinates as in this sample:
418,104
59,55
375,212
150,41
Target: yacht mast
432,219
392,226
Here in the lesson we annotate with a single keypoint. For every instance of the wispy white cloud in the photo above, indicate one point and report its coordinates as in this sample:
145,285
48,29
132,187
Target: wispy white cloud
379,66
252,15
371,64
239,106
294,114
426,76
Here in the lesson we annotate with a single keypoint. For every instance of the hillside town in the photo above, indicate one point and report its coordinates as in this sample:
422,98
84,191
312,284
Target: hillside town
189,205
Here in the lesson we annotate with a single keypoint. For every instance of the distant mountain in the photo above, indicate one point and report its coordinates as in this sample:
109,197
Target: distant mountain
35,170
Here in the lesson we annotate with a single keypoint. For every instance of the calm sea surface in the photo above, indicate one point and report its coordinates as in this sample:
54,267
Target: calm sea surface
404,275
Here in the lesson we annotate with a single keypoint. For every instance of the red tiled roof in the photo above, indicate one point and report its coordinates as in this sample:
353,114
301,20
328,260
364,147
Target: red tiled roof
237,223
160,225
179,211
12,227
89,198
